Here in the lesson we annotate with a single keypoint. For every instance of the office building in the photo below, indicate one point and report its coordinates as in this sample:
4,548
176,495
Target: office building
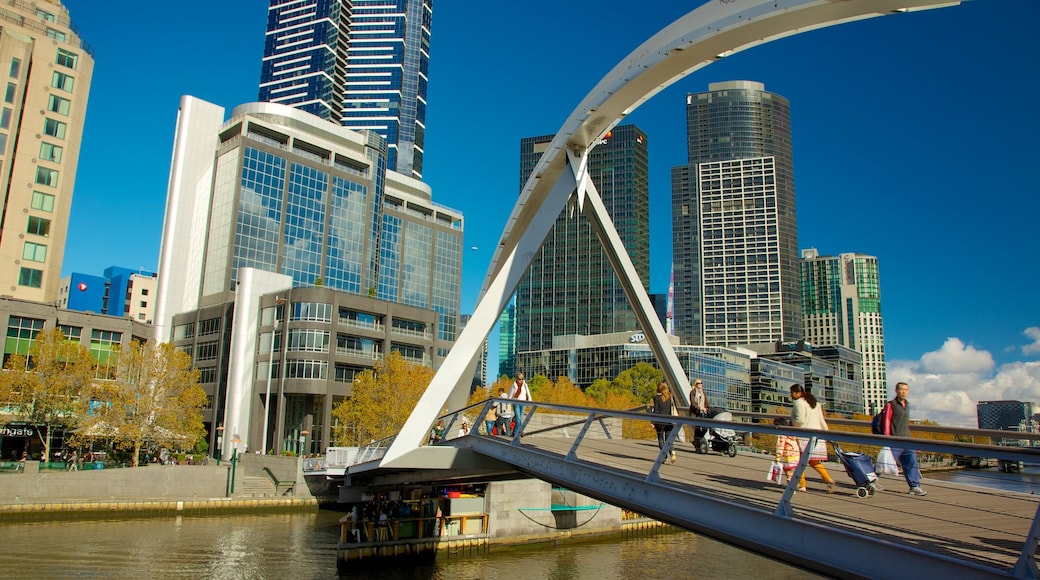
277,204
830,373
119,292
360,63
1007,416
570,286
480,368
47,68
507,342
841,305
584,359
734,232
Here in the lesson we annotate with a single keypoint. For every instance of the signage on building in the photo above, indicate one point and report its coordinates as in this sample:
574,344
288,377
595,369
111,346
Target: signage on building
637,337
16,431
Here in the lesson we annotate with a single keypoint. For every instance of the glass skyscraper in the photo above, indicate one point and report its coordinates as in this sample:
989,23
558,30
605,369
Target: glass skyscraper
841,305
570,287
734,232
359,63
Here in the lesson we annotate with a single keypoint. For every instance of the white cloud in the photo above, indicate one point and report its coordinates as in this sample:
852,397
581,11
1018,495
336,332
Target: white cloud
1032,332
946,384
955,357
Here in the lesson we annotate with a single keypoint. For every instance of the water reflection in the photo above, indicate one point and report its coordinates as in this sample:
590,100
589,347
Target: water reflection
303,546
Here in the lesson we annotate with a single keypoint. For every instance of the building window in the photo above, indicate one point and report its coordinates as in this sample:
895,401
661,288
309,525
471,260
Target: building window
30,278
144,292
16,67
144,304
38,226
42,201
312,311
208,375
34,252
66,59
71,332
52,127
21,332
5,118
206,351
45,15
62,81
12,89
183,331
102,344
307,369
209,326
3,143
46,176
56,34
50,152
59,105
309,339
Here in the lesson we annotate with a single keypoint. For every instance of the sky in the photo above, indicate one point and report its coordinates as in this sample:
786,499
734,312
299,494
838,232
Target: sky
915,140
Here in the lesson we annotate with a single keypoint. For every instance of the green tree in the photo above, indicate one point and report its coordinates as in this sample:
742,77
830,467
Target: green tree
599,390
43,388
381,400
155,398
641,380
535,384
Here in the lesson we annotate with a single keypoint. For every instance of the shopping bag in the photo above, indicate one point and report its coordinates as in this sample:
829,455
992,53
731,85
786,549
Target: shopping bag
886,462
775,471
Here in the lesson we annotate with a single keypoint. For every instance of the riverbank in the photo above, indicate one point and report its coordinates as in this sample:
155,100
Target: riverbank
121,510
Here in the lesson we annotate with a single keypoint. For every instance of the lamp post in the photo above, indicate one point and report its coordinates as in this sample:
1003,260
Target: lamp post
220,442
270,371
234,460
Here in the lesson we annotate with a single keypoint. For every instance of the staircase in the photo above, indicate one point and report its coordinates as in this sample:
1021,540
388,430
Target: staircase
253,486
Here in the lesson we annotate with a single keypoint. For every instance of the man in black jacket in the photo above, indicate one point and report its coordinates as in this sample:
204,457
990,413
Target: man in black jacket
897,423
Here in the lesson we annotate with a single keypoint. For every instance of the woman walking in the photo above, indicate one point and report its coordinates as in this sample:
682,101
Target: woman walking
808,413
663,406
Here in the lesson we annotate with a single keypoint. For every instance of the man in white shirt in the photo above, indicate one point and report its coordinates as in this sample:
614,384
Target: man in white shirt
519,392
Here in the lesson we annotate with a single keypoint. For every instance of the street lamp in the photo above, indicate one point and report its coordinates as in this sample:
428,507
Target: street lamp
234,460
220,442
270,371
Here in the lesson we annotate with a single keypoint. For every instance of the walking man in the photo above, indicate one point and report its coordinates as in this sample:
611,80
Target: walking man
897,423
519,392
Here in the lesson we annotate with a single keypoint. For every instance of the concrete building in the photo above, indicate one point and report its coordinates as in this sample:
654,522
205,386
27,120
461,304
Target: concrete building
119,292
24,319
841,304
734,232
359,63
277,203
570,287
48,70
584,359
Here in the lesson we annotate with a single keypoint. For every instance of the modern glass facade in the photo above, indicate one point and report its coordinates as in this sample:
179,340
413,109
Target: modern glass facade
507,342
360,63
841,305
734,232
1006,416
570,286
831,374
771,385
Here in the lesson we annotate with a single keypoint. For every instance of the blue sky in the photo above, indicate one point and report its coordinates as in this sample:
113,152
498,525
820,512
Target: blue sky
915,140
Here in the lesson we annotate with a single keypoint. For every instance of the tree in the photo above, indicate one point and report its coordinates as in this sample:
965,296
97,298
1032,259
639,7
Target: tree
599,390
535,384
155,398
562,392
641,380
44,387
381,401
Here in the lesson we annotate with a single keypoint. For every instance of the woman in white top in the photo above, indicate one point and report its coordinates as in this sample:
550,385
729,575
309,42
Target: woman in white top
808,413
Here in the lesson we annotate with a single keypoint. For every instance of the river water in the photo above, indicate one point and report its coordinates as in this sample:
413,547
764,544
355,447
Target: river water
303,546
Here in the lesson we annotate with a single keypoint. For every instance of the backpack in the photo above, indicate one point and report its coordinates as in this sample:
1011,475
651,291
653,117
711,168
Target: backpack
877,425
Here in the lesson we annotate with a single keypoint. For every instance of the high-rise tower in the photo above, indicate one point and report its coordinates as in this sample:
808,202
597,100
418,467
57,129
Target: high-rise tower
47,68
734,234
570,287
359,63
841,304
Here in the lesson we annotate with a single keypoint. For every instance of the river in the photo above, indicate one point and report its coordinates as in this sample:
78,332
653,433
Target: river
302,546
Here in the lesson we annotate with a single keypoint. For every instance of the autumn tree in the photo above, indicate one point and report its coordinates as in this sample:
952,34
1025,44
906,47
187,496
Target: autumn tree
640,379
381,401
43,387
599,390
154,398
562,392
535,384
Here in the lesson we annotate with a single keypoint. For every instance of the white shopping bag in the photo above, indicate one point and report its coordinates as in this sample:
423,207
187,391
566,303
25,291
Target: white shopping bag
886,462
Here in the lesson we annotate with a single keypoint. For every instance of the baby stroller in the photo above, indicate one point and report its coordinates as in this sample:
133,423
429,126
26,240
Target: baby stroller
861,470
721,439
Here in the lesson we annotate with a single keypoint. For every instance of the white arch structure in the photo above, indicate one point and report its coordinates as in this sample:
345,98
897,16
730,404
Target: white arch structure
713,31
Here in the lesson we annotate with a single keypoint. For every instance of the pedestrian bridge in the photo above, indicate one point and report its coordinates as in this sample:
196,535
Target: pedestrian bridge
955,530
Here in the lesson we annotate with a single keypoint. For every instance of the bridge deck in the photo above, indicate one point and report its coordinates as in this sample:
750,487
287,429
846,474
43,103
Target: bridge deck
969,523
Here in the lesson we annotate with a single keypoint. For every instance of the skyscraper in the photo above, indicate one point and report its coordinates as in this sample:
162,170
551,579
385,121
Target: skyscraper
359,63
841,304
47,68
734,233
570,287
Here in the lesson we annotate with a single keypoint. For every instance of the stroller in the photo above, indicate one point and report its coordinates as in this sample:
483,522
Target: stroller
721,439
861,470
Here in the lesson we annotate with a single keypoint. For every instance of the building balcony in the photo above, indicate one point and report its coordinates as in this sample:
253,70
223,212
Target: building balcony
359,353
423,334
354,323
